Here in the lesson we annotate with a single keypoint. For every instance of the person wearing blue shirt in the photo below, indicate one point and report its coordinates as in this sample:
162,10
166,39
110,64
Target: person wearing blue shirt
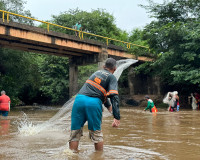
78,27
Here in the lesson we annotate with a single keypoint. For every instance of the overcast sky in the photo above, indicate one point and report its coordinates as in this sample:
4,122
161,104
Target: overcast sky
128,15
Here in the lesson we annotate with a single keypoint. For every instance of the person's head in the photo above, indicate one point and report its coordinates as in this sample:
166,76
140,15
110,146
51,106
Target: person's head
79,22
110,65
175,93
146,97
3,92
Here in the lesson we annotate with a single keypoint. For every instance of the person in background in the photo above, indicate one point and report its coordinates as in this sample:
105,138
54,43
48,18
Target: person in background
173,101
88,105
4,104
150,105
197,98
177,102
78,27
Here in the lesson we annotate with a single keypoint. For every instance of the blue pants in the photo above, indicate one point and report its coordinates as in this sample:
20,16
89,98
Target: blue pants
4,113
86,109
178,107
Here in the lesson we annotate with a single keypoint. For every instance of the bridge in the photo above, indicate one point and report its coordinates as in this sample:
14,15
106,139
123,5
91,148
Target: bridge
80,51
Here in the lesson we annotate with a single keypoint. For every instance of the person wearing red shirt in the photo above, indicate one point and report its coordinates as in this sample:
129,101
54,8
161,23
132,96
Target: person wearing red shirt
197,97
4,104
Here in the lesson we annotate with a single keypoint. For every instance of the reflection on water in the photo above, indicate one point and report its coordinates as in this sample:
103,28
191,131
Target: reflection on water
141,135
4,126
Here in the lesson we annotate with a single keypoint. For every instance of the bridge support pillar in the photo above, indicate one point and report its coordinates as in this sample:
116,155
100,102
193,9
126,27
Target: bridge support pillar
131,76
102,58
73,77
74,62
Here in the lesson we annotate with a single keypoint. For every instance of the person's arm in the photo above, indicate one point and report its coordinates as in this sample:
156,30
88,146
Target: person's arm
115,106
108,105
148,106
114,98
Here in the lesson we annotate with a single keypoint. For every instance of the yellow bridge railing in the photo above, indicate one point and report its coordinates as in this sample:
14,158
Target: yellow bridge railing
7,14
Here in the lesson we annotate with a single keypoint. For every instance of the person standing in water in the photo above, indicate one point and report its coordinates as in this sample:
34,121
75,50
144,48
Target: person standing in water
177,102
4,104
88,105
197,98
150,105
174,98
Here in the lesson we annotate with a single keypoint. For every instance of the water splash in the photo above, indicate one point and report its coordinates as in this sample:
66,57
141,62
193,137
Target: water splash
122,65
27,128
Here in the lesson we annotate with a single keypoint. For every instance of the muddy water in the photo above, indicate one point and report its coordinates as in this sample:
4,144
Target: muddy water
141,135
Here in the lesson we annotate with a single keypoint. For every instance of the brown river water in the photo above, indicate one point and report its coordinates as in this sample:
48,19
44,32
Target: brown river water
141,135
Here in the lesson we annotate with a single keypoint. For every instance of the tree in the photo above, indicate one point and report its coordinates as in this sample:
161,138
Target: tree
16,6
97,22
136,37
19,72
55,78
175,39
19,75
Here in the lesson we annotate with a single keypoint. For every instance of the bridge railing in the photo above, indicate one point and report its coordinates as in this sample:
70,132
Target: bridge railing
6,14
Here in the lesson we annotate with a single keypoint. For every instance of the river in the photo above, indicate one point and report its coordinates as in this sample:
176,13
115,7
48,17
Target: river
141,135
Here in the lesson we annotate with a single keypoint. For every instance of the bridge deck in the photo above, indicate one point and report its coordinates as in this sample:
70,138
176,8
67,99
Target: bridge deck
35,39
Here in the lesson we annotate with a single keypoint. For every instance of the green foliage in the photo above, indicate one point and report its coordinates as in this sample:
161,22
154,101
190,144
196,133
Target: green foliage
136,37
175,39
55,78
84,72
173,11
16,6
123,83
18,71
97,22
19,75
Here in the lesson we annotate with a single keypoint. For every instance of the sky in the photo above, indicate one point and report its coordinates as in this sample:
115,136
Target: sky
128,15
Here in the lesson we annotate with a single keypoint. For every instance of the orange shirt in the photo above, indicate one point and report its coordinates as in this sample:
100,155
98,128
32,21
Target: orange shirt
4,103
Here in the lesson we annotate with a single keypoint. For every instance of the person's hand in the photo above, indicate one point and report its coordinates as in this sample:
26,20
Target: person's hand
110,109
115,123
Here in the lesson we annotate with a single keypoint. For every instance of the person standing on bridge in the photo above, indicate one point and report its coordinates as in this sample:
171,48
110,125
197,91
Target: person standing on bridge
88,105
4,104
78,27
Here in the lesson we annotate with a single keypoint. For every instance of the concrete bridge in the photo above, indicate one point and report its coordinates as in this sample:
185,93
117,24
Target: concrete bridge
80,52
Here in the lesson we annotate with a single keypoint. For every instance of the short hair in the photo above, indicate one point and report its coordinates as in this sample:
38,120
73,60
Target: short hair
3,92
147,97
110,63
